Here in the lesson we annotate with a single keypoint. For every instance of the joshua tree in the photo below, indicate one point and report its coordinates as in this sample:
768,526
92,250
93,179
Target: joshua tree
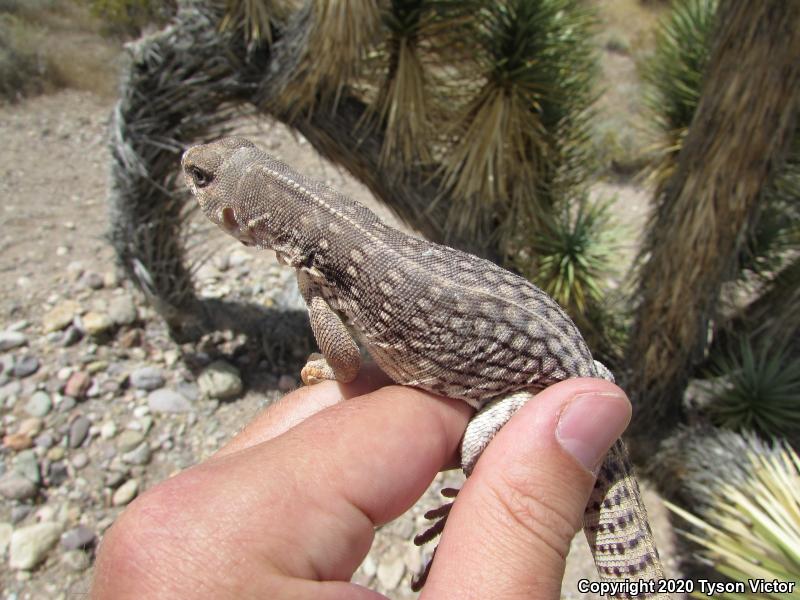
736,145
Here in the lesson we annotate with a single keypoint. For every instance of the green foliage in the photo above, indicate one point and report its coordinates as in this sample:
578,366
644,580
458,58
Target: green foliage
129,17
751,526
756,388
518,139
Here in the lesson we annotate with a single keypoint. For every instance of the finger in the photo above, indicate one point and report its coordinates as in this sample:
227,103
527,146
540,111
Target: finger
510,529
302,505
300,404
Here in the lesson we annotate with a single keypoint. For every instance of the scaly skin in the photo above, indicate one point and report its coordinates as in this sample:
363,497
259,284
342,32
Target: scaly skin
430,316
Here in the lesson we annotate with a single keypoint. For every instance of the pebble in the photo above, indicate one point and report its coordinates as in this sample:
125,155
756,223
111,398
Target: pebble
12,339
25,366
66,404
125,493
72,335
16,487
57,474
116,478
44,441
77,385
76,560
220,380
29,545
122,310
131,338
139,455
39,404
92,280
26,464
5,536
60,316
56,453
147,378
96,323
78,429
168,401
128,440
188,390
80,460
108,430
390,572
78,538
17,441
19,512
30,426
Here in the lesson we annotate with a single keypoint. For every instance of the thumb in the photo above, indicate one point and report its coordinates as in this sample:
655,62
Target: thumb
509,531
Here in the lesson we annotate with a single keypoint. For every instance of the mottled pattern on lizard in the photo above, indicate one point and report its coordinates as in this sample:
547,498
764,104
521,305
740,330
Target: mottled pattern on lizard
430,316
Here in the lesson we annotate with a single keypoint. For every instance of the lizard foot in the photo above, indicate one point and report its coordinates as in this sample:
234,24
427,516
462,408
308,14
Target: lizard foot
316,370
439,515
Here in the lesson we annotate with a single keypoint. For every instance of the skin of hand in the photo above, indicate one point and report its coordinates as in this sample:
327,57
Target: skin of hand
288,508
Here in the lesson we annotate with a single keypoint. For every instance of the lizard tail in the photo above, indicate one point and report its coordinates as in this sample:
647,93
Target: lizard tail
616,526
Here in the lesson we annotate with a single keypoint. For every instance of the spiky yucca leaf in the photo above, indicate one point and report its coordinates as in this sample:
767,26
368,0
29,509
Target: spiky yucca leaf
751,528
338,39
419,42
255,18
537,65
575,255
756,388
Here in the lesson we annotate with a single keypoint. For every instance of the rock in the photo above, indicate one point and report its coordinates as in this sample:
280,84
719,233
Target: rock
122,310
168,401
390,572
19,512
138,456
76,560
77,385
44,441
57,474
29,545
25,365
30,426
80,460
188,390
17,441
56,453
92,280
96,323
114,479
78,429
5,536
108,430
131,338
220,380
96,366
16,487
287,383
79,538
60,316
111,279
66,404
147,378
39,404
128,440
125,493
12,339
26,464
71,336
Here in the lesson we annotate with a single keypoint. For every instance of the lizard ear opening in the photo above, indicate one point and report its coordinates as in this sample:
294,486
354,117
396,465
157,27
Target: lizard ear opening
229,222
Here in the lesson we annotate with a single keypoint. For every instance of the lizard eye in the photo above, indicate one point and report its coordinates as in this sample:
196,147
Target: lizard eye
201,178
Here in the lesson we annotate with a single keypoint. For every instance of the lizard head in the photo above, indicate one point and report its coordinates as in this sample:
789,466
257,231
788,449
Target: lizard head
210,173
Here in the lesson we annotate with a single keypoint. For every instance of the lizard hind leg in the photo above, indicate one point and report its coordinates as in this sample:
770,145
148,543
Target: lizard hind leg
480,431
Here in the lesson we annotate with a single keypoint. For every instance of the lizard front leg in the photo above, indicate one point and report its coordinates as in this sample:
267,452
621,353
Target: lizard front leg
340,358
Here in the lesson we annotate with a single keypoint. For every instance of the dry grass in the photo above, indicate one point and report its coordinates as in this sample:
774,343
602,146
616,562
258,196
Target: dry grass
47,45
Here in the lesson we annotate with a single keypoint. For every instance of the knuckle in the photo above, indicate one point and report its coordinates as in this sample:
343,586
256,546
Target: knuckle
529,508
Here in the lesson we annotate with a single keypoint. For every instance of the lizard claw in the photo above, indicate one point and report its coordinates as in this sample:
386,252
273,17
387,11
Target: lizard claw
316,370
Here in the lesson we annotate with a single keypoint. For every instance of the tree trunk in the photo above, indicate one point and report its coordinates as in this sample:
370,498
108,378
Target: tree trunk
736,144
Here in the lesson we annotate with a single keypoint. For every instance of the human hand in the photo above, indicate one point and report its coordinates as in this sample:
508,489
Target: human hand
288,508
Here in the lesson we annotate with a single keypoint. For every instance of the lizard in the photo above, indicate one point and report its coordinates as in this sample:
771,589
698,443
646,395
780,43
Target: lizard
431,316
